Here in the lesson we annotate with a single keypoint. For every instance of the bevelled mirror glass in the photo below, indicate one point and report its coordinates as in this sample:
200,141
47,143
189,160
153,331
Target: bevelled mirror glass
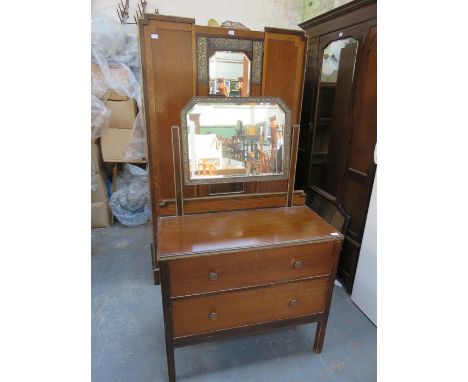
229,74
235,139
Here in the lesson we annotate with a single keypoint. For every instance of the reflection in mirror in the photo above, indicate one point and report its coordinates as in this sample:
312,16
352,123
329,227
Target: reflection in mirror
233,141
229,74
332,56
334,96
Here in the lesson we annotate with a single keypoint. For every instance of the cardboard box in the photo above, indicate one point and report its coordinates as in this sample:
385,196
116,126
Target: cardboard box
114,143
112,95
100,195
123,113
100,215
96,158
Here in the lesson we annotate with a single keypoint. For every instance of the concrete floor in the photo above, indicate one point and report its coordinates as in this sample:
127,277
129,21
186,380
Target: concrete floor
128,332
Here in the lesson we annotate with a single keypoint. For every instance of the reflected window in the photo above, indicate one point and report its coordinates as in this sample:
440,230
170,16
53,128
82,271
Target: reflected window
229,74
331,58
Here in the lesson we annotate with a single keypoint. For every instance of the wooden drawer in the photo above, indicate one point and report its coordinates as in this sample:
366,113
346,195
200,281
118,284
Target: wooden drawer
203,314
236,270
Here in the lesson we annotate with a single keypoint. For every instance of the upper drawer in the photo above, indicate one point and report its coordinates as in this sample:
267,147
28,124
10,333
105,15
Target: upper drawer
236,270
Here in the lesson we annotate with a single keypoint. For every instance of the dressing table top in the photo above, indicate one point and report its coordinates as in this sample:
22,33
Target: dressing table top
200,234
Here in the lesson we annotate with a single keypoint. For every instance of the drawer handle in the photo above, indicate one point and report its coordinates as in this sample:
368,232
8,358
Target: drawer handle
213,276
298,264
293,302
213,316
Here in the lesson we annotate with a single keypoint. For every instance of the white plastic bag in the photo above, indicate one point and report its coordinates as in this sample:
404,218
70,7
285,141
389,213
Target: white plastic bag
129,203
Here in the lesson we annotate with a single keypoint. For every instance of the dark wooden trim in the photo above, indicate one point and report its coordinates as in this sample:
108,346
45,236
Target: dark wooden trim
179,192
284,31
167,312
357,175
292,165
248,329
354,242
154,262
176,19
332,14
322,324
321,192
338,205
224,291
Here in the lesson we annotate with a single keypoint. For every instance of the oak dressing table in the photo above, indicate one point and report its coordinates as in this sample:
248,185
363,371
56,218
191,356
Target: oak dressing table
242,271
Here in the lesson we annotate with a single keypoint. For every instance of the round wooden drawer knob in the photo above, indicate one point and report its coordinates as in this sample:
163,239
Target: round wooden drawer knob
213,316
213,276
293,302
298,264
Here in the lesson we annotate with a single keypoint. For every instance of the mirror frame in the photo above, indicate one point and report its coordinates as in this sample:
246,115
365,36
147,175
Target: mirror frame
235,100
207,45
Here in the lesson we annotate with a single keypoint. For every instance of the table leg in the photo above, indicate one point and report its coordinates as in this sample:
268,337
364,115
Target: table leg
319,336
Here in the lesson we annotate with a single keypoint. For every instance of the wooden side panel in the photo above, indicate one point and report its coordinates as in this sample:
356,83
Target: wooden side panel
234,309
283,70
249,268
168,69
283,76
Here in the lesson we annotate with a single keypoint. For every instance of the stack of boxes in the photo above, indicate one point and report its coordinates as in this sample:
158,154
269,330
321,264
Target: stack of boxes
117,134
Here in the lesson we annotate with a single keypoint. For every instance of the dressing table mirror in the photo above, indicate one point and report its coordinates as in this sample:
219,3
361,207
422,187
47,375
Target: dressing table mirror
227,140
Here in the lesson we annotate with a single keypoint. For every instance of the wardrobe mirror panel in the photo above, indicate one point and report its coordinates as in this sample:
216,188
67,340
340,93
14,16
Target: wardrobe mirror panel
334,95
229,74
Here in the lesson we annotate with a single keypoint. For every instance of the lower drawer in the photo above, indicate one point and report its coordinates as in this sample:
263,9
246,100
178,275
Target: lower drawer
233,309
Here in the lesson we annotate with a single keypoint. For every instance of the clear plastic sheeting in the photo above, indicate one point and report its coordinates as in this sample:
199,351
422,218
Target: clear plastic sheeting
114,49
129,203
137,146
99,115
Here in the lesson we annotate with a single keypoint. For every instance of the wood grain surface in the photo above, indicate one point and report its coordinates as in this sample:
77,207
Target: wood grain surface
237,270
190,235
234,309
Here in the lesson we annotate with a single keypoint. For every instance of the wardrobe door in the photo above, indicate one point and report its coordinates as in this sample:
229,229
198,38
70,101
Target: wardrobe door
283,76
167,58
359,169
338,52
